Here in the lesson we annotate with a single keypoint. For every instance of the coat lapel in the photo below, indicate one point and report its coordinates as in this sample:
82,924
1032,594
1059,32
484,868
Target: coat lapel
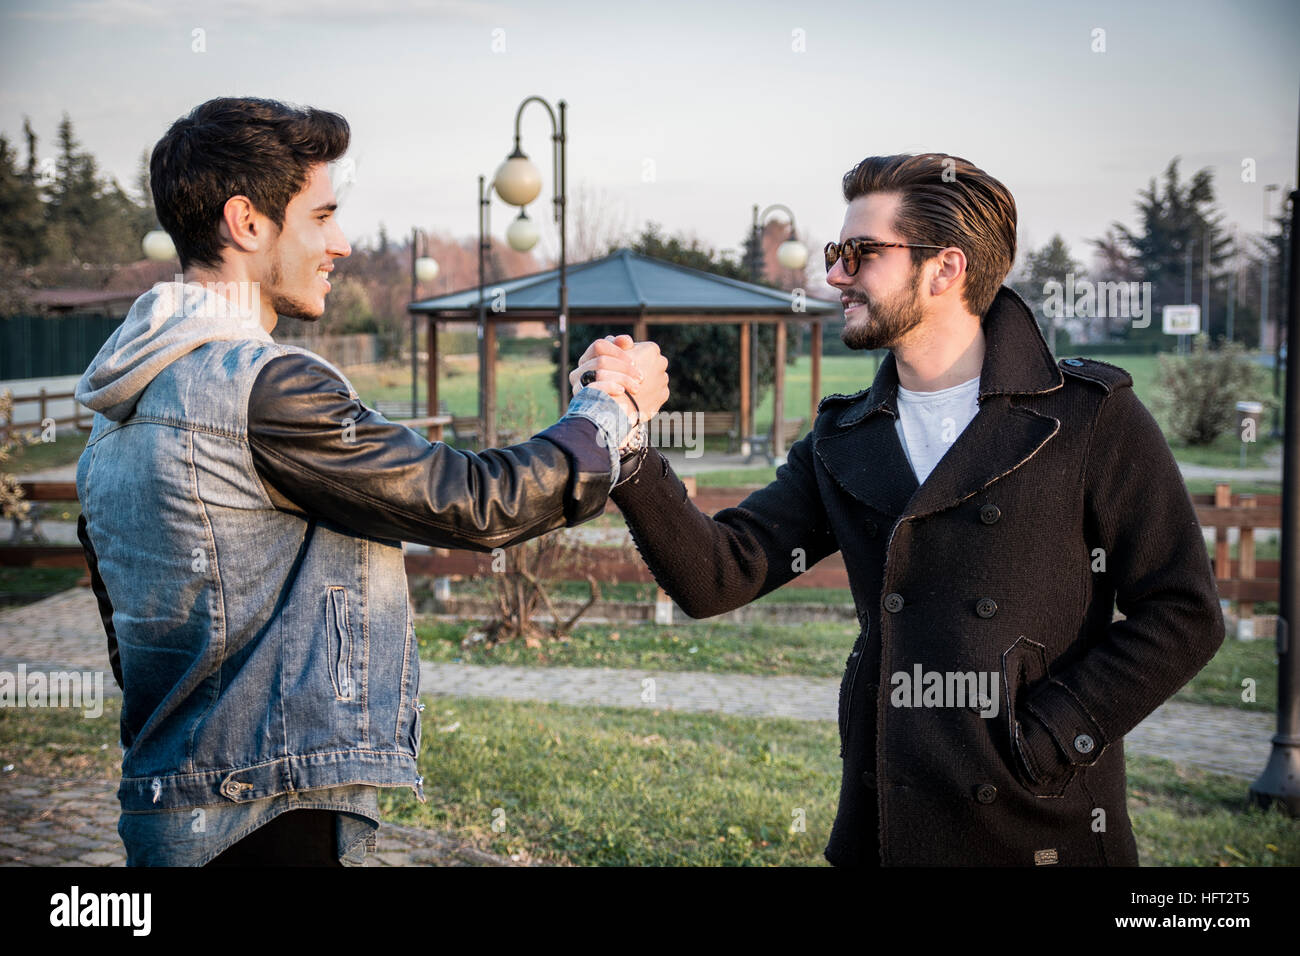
863,453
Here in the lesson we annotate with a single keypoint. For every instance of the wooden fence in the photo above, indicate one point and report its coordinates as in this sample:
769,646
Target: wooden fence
82,418
1243,581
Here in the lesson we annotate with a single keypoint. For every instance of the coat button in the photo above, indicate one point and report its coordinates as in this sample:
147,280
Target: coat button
1083,743
989,514
986,607
871,529
986,793
869,779
893,602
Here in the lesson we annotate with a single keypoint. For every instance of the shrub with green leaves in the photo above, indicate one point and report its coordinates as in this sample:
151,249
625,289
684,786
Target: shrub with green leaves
1198,392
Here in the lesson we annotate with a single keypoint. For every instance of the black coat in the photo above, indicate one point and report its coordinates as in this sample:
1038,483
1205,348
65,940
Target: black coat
1060,499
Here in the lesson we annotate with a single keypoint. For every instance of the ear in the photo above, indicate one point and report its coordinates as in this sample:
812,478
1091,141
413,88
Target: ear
242,226
951,267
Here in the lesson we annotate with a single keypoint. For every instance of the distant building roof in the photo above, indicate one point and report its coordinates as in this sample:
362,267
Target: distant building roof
56,301
630,283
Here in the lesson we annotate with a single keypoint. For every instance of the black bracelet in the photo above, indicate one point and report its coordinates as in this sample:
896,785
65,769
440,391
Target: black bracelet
634,405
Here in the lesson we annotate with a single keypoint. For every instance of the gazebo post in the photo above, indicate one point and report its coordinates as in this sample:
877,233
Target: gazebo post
815,349
488,400
746,411
431,376
778,395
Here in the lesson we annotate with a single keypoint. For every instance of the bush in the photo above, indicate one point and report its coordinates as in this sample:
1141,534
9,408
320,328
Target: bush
1199,392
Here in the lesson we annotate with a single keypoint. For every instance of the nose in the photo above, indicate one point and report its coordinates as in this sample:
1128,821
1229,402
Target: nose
338,246
837,276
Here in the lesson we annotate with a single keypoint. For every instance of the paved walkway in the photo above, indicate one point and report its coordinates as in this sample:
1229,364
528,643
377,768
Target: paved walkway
1218,739
46,822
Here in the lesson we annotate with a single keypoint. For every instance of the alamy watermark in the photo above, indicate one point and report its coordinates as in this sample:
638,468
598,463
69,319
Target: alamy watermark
238,299
946,689
83,689
1085,299
673,430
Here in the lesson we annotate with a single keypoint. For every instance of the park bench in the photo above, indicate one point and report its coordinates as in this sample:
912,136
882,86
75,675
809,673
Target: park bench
665,428
762,444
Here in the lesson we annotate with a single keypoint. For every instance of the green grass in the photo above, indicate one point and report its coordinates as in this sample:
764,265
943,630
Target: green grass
809,650
1187,817
1219,682
61,742
65,450
1224,452
640,591
606,786
1205,486
737,478
814,650
524,386
20,586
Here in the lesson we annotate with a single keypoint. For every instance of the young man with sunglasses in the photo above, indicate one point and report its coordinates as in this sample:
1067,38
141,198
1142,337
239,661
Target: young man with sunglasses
992,505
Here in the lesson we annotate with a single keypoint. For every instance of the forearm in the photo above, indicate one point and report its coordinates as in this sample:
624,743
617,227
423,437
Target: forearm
320,452
710,565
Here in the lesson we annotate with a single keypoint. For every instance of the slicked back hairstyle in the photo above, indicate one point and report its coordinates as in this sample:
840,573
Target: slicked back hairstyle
947,201
259,148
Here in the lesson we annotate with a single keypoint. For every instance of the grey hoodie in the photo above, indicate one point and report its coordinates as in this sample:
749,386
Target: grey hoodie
169,321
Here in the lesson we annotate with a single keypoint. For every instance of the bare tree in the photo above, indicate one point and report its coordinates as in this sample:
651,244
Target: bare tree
596,224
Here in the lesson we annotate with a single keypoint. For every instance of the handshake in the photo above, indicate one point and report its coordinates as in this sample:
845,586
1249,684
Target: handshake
634,374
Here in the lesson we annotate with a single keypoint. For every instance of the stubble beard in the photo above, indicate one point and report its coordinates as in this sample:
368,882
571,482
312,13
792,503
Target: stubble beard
886,322
287,305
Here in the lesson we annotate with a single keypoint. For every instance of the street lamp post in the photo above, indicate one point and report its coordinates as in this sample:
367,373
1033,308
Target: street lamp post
1284,255
518,182
1263,278
792,254
487,389
423,269
1280,780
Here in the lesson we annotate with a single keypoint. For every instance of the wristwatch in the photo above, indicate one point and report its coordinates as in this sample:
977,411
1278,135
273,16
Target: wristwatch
636,439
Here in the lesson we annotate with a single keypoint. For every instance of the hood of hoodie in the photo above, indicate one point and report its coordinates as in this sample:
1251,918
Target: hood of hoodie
169,321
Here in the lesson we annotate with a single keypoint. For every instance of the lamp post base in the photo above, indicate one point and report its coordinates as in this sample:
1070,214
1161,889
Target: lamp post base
1280,781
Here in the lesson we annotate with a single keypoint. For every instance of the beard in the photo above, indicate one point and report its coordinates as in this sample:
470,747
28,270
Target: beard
285,304
886,321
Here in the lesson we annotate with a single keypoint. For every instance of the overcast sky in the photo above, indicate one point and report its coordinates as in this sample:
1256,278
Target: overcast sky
688,113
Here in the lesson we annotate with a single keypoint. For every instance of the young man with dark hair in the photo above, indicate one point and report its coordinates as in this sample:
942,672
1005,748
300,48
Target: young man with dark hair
992,506
243,514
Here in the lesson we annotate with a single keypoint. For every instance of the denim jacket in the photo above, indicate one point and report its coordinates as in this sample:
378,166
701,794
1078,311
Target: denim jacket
243,516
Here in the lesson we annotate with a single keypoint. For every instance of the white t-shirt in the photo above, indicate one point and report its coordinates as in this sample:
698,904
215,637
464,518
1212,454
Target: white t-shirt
929,422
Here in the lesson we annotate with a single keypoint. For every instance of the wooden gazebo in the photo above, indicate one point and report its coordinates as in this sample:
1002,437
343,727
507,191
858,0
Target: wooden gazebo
626,288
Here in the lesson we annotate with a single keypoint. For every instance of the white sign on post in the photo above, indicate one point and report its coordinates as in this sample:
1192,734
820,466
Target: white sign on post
1181,319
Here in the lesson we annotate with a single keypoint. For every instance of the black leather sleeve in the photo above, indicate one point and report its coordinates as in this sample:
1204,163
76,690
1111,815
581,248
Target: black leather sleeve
320,452
101,595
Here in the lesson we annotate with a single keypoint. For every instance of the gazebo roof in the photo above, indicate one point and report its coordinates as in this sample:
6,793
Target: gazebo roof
628,282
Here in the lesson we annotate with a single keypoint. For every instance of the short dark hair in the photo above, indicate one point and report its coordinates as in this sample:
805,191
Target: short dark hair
236,146
947,201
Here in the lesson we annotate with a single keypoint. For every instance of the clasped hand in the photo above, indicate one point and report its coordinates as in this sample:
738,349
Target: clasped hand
624,367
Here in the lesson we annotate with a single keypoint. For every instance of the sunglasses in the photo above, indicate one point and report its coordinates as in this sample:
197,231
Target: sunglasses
852,250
